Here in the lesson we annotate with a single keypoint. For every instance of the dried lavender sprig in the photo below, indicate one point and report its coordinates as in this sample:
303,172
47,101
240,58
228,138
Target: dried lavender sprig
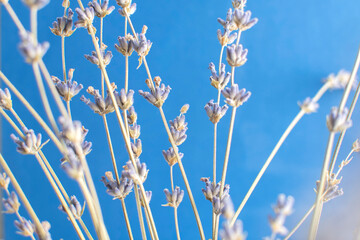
5,99
101,9
67,89
63,26
326,164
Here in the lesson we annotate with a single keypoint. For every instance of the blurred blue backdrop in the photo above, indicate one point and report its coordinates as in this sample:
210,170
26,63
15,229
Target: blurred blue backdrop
292,48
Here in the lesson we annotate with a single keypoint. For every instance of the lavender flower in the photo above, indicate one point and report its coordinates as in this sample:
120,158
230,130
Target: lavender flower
356,146
118,191
72,165
125,46
106,57
157,96
75,207
132,115
227,210
72,131
138,175
5,99
221,80
141,44
125,100
31,144
178,136
30,49
179,123
85,17
282,209
86,147
136,148
101,106
38,4
340,80
308,105
214,111
243,21
235,55
219,204
4,181
211,191
234,232
226,37
170,156
331,189
337,121
174,199
101,10
238,4
134,131
67,90
229,22
234,96
25,227
123,3
127,11
63,26
148,195
46,226
11,204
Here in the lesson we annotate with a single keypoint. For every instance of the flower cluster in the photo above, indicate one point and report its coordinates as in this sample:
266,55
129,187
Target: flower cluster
175,198
5,99
137,174
337,121
125,46
221,80
234,96
340,80
308,105
282,209
158,94
63,26
101,10
100,106
32,50
67,89
115,189
214,111
31,143
170,156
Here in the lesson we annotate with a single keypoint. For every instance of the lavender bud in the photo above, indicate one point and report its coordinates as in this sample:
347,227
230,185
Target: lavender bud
235,55
170,156
85,17
174,199
157,96
72,165
136,148
229,22
63,26
148,195
138,176
117,191
93,58
125,100
67,90
337,121
221,80
101,10
30,49
308,106
4,181
132,115
179,123
211,190
214,111
238,4
178,136
331,189
282,209
31,144
243,21
123,3
25,227
128,11
356,146
75,207
11,204
5,99
125,46
134,131
234,232
340,80
38,4
72,131
100,106
142,45
225,37
234,96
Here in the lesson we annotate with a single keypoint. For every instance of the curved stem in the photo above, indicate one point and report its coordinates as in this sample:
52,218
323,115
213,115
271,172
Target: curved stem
299,223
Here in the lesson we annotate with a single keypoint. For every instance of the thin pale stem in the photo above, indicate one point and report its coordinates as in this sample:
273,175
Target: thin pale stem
147,207
127,221
111,149
11,122
176,224
33,22
68,108
141,219
238,37
44,98
14,113
88,234
63,57
172,178
214,157
148,224
318,202
14,17
25,201
182,170
220,58
32,111
299,223
232,75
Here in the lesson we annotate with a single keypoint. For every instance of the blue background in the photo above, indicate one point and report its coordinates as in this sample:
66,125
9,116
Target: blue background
293,47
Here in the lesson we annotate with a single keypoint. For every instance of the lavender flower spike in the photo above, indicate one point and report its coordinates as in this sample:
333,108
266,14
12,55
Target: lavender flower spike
101,106
229,22
125,46
71,165
11,204
31,50
31,144
134,131
72,131
136,147
170,156
221,80
243,21
25,227
234,96
85,18
340,80
239,4
106,57
178,136
148,195
4,181
331,189
337,121
101,10
5,99
225,37
127,11
174,199
157,96
179,123
75,207
132,115
234,232
214,111
38,4
67,90
236,56
123,3
282,209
